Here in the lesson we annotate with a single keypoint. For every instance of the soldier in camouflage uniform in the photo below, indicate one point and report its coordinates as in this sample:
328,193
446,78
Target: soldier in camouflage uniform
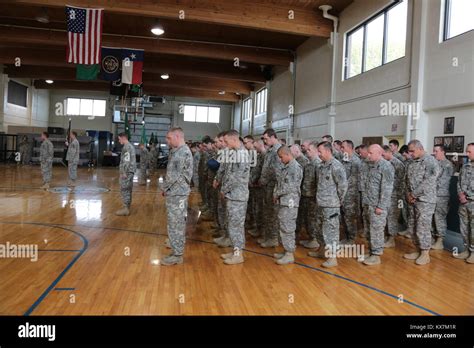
72,158
176,189
144,160
287,196
24,150
446,171
255,170
235,190
127,167
152,158
331,190
202,169
46,159
222,234
351,206
376,201
259,192
270,170
212,193
302,209
308,196
393,145
363,172
421,176
196,158
397,196
465,190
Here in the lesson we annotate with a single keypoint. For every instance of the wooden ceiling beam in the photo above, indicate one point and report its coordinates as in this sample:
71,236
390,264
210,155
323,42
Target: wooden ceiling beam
255,14
149,79
152,64
150,90
19,35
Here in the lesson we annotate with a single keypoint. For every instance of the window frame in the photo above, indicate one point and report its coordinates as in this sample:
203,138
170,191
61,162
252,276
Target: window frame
27,94
80,100
384,13
447,21
260,101
247,111
208,107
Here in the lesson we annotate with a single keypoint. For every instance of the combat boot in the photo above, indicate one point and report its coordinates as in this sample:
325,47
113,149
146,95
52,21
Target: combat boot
470,259
424,258
286,259
254,233
172,260
261,240
167,243
278,255
310,244
390,243
227,256
320,254
224,243
331,262
270,243
412,256
45,186
438,244
218,234
463,256
123,212
235,259
372,260
218,239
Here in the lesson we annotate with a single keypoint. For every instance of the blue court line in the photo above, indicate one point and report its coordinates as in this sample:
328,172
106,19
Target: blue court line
65,270
64,289
59,250
296,263
251,251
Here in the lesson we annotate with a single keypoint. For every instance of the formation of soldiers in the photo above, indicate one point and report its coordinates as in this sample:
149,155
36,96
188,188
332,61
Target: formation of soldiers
327,187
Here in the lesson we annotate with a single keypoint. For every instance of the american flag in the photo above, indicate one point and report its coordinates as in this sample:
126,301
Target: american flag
84,27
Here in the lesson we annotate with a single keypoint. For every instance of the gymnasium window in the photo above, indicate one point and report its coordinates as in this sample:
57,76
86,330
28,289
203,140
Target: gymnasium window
204,114
85,107
379,40
17,93
261,101
247,111
457,17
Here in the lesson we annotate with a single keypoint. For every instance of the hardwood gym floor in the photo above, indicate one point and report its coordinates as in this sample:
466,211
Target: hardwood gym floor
83,268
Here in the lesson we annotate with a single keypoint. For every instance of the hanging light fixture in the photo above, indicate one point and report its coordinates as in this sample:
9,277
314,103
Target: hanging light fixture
157,29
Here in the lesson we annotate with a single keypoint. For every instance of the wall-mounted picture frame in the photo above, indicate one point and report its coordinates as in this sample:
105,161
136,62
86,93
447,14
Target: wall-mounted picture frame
438,141
448,143
448,125
458,144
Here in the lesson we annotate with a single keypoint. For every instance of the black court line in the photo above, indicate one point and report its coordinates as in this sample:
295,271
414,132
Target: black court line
383,292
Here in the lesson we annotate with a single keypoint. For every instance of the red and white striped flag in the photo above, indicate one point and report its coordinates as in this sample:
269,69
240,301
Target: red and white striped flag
84,30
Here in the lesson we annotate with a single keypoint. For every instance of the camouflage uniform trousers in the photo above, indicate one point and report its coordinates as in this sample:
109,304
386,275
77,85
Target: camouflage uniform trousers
222,214
440,215
142,176
177,212
24,156
259,209
393,216
72,170
203,190
466,219
210,192
376,226
196,182
327,232
350,212
287,220
420,217
47,171
270,214
251,216
302,219
309,217
235,215
126,186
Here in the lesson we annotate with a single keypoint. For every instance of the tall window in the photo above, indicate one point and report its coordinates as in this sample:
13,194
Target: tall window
247,111
85,107
203,114
379,40
261,101
17,93
458,17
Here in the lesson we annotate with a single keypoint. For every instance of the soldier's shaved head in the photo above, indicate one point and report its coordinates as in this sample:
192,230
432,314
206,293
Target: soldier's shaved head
375,152
285,154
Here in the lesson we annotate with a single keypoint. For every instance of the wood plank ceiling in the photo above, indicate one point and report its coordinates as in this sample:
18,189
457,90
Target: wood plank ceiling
197,51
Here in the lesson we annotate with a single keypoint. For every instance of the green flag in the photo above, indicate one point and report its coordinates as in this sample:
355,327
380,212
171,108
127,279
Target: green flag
143,138
127,126
87,72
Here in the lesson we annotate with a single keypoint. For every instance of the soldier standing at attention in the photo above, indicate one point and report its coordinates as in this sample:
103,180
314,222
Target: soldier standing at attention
442,197
202,168
287,196
196,158
302,209
394,144
46,159
24,149
259,192
308,196
144,160
421,175
376,201
270,171
331,190
251,221
222,234
363,170
351,206
466,206
398,193
127,170
235,190
152,158
176,189
72,158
